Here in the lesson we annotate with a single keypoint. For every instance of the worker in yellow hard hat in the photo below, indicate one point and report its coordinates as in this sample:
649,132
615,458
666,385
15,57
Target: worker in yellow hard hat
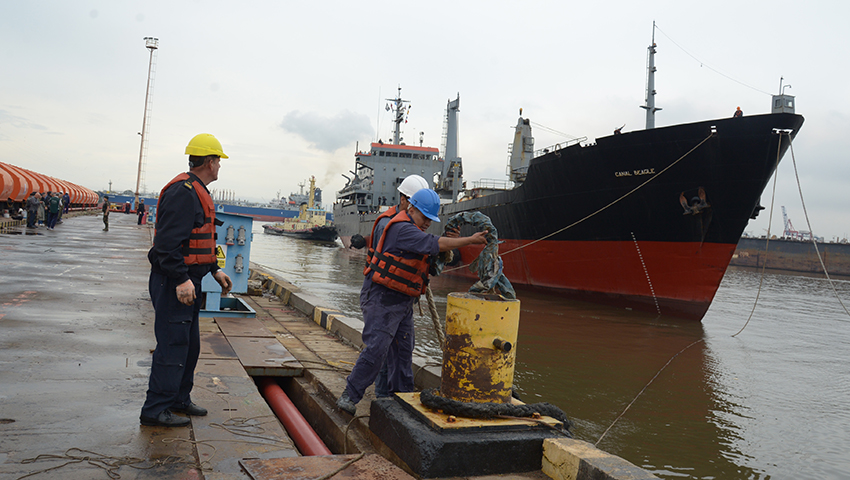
183,253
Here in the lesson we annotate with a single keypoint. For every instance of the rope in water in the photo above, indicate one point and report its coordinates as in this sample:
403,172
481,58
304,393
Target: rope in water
770,222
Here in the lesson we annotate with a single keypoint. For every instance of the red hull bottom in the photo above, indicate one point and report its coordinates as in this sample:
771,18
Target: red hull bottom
677,279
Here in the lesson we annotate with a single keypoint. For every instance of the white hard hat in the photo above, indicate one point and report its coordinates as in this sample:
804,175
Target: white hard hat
412,184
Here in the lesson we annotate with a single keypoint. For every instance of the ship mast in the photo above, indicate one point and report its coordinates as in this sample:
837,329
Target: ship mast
400,110
649,106
311,200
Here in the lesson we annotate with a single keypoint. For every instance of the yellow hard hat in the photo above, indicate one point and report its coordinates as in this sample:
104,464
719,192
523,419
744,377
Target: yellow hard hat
204,144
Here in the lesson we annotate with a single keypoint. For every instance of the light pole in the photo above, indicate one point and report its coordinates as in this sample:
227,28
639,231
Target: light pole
151,43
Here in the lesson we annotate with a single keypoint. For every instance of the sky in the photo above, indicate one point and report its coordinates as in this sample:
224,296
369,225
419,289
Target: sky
292,89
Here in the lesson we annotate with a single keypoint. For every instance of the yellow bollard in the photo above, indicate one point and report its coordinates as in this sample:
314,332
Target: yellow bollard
478,364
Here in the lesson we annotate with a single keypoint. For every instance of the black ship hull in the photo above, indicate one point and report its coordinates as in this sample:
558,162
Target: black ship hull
605,221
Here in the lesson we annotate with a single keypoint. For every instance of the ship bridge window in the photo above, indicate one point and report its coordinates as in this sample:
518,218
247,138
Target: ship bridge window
404,155
380,154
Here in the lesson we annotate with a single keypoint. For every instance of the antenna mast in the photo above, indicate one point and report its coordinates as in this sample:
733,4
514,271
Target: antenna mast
400,112
649,106
151,44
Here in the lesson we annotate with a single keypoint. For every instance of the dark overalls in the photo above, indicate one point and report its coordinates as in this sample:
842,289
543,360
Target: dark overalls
176,325
388,319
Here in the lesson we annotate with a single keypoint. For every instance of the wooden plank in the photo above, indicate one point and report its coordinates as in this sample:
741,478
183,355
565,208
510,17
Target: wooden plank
242,327
239,424
440,421
215,346
265,357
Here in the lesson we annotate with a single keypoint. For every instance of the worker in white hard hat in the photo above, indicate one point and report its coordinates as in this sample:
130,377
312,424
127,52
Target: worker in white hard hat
396,275
183,252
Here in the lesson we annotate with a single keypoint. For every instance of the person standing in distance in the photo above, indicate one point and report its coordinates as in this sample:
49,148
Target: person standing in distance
32,209
396,275
183,253
140,210
105,209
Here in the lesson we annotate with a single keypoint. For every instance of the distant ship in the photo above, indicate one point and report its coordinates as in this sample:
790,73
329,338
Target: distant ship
310,224
277,210
646,220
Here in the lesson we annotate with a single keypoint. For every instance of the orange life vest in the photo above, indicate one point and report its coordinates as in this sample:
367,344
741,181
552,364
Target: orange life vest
200,249
389,213
406,275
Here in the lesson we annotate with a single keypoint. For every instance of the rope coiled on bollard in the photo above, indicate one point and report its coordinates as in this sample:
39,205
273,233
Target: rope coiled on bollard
431,399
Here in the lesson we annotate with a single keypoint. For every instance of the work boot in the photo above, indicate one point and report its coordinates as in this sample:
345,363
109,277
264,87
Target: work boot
345,404
165,419
190,409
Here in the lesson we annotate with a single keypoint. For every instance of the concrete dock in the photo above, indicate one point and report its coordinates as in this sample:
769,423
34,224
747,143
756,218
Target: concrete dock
76,336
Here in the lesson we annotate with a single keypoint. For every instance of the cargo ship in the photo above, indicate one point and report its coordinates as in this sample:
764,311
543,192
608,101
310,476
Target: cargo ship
277,210
310,224
645,220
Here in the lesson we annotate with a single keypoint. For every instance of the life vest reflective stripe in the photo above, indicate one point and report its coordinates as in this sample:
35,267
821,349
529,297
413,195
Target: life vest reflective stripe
406,275
200,249
389,213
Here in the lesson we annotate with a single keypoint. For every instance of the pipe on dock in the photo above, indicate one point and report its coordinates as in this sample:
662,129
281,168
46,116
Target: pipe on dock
305,438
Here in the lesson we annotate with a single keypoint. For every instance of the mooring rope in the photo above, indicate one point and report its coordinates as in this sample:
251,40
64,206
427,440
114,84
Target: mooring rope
435,318
809,224
431,399
767,239
644,389
770,222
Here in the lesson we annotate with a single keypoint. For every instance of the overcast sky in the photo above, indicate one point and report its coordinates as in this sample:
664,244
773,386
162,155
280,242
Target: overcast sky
290,88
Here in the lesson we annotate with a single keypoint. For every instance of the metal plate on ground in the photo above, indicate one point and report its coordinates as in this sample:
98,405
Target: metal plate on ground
216,346
310,468
265,357
242,327
440,421
239,424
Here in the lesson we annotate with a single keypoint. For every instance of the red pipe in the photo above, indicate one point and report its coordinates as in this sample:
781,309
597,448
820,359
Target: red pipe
306,439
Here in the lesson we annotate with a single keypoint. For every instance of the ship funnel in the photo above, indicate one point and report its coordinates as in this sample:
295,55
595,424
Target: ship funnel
451,176
522,150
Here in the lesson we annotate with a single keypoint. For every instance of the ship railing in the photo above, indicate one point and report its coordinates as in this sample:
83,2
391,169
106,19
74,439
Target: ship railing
493,184
558,146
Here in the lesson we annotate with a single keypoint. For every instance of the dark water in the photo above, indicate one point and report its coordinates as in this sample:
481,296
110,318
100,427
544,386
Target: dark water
771,403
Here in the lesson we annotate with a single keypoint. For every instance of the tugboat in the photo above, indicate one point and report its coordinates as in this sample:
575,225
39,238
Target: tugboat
310,224
646,220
